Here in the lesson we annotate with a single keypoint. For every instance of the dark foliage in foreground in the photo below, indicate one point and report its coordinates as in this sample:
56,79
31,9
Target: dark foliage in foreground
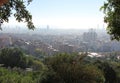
61,68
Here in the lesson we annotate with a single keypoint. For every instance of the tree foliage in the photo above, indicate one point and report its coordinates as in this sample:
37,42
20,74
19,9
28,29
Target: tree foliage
61,68
13,58
70,69
111,10
13,76
18,9
108,72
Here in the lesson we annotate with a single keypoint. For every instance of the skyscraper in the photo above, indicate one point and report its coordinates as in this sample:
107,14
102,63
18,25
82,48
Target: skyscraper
90,36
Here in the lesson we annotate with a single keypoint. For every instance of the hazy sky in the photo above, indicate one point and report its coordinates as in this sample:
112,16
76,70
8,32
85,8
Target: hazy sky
67,13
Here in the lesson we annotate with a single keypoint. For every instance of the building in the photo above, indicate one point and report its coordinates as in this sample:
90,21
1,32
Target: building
90,36
5,42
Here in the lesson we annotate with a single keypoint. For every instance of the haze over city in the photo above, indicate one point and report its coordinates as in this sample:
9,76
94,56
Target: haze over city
65,14
60,41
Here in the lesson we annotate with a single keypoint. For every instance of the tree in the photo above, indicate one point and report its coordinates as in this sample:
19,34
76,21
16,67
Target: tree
108,71
70,69
13,57
111,10
20,12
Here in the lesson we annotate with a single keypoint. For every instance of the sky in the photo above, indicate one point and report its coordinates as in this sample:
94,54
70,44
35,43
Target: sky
66,14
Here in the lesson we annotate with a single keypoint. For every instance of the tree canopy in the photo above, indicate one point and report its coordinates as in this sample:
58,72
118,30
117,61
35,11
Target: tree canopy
20,13
111,10
13,57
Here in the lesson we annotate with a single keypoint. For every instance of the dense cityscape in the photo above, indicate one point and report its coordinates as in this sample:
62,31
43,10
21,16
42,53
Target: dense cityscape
50,42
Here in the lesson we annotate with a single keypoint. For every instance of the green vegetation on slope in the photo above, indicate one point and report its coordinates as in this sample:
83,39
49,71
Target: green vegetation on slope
62,68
